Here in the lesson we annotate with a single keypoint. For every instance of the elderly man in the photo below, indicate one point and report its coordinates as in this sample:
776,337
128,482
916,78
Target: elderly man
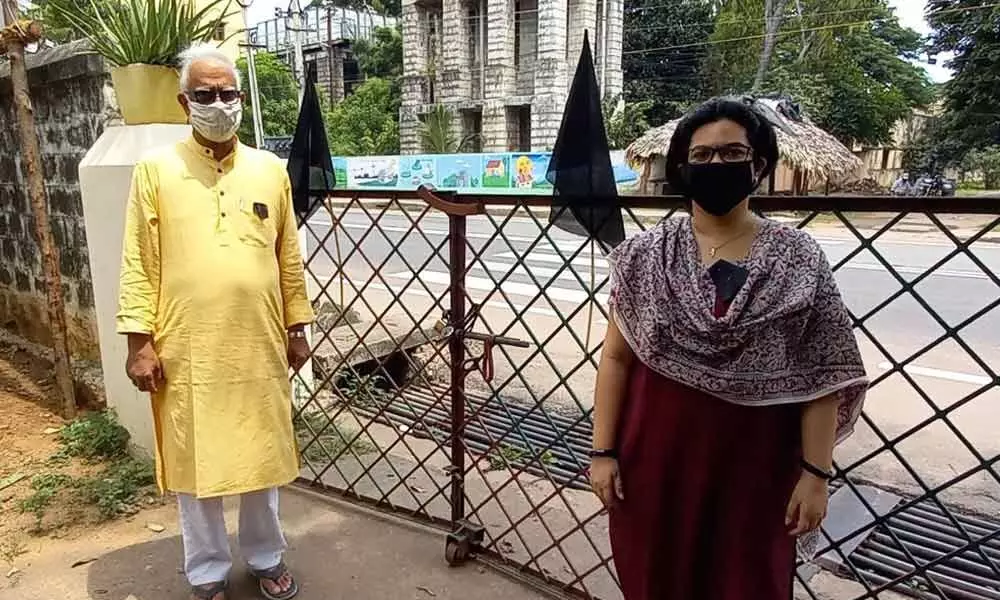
214,305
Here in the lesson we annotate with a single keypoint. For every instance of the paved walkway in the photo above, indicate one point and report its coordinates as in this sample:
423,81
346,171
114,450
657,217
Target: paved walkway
338,552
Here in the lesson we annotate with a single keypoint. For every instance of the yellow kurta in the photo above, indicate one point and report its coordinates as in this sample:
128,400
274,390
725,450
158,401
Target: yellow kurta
212,269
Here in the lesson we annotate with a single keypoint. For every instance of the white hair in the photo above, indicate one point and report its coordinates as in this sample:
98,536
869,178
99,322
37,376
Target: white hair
205,52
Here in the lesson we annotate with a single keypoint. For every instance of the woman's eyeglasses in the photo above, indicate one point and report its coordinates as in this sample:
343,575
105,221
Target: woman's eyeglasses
728,153
227,96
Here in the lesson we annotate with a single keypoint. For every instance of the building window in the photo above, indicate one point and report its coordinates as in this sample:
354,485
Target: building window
885,158
219,35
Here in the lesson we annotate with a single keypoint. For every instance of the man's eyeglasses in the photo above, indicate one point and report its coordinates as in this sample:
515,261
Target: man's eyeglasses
728,153
227,96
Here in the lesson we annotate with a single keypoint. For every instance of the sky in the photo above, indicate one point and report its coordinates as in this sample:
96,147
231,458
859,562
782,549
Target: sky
910,13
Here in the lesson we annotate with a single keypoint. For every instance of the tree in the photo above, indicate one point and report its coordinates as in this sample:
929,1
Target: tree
970,29
389,8
660,64
279,97
57,28
774,14
366,122
382,55
986,161
624,121
846,61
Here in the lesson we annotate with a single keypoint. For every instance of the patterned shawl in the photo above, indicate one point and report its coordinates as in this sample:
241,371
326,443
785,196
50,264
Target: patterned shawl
786,338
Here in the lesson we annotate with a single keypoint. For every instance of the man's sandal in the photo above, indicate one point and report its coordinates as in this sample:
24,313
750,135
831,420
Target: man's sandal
274,574
210,591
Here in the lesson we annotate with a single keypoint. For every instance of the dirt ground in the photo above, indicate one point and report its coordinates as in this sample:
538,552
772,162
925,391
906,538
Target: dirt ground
29,439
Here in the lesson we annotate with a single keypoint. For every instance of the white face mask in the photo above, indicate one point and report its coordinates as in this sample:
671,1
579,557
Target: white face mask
216,122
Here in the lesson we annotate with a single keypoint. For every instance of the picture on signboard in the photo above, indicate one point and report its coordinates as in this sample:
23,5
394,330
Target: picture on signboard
529,171
373,171
459,171
496,171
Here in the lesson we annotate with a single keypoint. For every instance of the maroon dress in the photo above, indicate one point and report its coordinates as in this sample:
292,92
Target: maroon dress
706,485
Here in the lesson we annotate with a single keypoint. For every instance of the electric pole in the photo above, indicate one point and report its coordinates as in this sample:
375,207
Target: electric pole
300,68
250,45
14,36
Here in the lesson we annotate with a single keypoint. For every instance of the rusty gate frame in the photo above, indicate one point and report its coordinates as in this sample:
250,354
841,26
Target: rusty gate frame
464,538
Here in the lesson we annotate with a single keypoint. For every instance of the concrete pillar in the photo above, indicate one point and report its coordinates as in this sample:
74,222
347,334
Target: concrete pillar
496,128
456,71
582,18
501,76
614,79
415,74
551,81
105,179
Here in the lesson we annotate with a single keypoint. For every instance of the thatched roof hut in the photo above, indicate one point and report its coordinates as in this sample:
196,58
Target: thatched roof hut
808,153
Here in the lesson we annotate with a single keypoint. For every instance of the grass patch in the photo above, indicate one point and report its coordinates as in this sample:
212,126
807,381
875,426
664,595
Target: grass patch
117,488
321,440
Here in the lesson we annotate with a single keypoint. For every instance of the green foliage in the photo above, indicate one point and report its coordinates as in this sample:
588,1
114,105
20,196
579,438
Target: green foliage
45,487
382,55
986,161
508,456
845,61
389,8
970,29
320,439
437,133
279,97
670,81
118,489
60,29
149,32
625,121
366,122
95,436
115,490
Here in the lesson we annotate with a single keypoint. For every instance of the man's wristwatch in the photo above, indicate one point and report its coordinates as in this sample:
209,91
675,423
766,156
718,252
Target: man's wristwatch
297,334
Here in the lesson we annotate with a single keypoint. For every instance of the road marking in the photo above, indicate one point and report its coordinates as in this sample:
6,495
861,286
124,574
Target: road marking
543,273
420,292
940,374
512,288
565,245
917,271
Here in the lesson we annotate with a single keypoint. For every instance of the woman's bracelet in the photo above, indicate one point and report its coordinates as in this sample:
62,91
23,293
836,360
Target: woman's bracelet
812,469
604,453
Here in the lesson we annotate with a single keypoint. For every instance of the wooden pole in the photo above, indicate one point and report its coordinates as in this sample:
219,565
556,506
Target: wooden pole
14,38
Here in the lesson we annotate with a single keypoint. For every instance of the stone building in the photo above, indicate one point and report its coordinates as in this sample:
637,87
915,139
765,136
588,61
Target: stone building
502,67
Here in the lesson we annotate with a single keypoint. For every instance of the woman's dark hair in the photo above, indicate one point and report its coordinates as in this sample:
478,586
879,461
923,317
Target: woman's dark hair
759,130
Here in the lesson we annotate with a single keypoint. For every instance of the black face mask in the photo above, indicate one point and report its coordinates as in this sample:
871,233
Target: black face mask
718,187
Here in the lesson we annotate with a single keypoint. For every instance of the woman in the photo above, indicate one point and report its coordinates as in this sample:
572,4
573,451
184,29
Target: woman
729,370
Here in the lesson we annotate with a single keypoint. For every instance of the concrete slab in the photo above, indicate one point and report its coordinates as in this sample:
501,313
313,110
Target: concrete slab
336,550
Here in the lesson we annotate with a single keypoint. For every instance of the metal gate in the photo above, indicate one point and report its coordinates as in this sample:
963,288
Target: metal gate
456,347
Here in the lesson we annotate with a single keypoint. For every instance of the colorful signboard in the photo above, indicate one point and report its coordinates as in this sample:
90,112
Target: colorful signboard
500,173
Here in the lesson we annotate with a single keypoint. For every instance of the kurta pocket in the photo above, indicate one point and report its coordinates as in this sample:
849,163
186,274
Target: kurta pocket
256,227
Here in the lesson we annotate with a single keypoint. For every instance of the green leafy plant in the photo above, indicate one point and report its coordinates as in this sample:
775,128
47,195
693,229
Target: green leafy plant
45,487
437,135
94,436
321,439
118,489
148,32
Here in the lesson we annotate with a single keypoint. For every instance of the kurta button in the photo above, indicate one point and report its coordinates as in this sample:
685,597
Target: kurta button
223,214
222,192
220,170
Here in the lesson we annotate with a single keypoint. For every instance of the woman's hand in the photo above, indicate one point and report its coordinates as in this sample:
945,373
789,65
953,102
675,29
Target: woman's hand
807,508
606,481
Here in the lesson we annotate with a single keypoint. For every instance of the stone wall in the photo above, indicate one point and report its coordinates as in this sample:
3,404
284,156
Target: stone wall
73,102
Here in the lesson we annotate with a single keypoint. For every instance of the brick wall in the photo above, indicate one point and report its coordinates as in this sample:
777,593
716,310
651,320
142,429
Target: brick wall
71,96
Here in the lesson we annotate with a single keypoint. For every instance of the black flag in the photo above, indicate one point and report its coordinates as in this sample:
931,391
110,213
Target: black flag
310,167
585,200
